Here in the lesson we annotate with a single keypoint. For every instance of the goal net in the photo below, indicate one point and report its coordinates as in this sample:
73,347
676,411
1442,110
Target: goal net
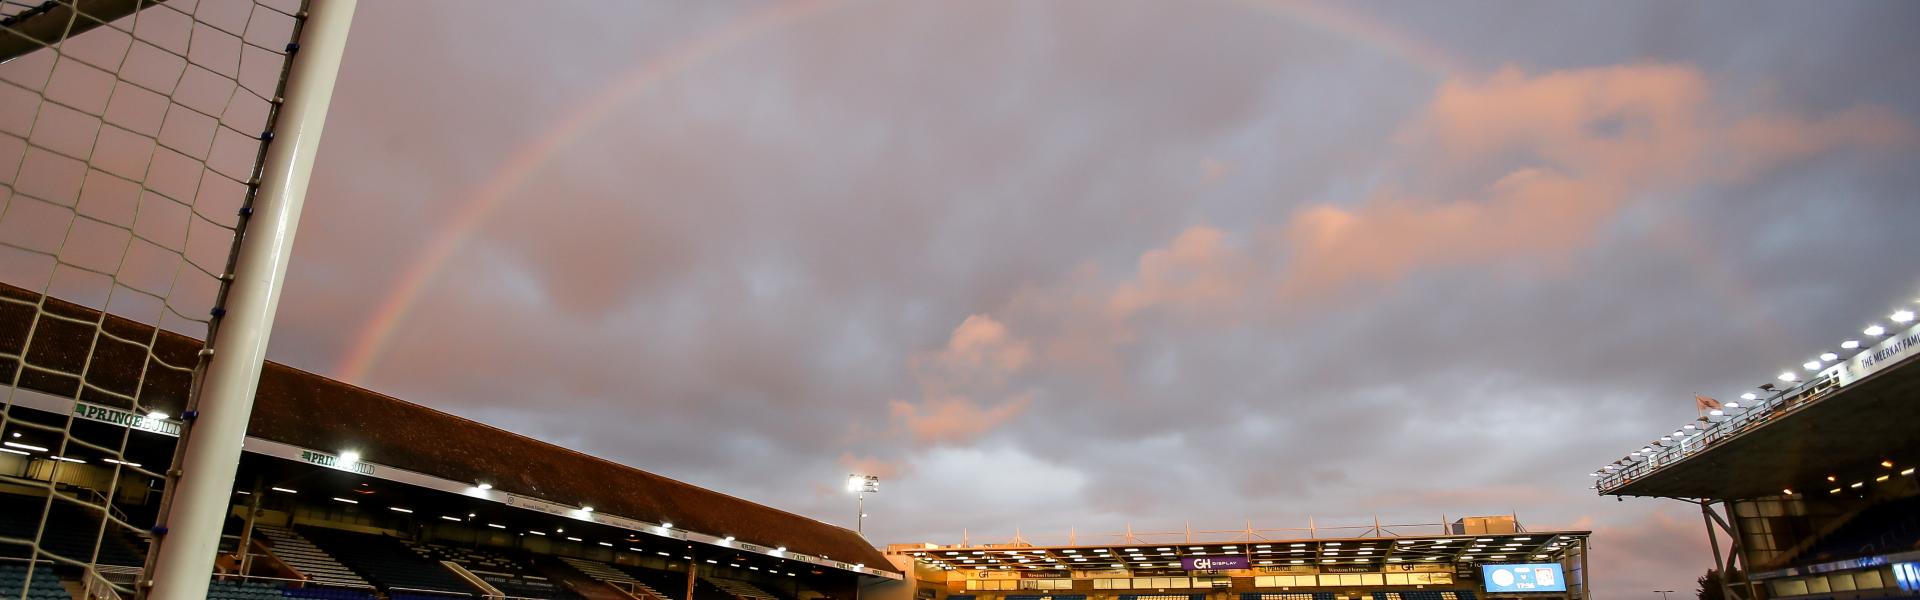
134,135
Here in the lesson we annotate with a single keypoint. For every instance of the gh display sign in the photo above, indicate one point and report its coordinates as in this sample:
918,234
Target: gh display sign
1214,563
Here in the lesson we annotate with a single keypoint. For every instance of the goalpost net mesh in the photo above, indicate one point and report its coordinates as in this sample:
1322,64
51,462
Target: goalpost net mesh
132,134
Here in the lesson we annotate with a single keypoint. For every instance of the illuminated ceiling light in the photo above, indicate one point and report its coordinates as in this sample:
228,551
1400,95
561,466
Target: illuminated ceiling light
400,510
1298,562
609,545
1333,543
662,554
23,446
667,525
1788,491
1827,356
484,485
1812,365
1886,463
1850,344
71,460
1749,396
338,499
349,457
284,490
537,532
780,549
115,461
496,526
1788,376
1832,478
1902,316
13,451
454,519
1297,545
586,509
1857,484
1875,331
161,415
1909,471
727,540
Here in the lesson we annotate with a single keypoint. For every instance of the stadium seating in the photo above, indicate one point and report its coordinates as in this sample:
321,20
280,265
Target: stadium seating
504,573
233,590
1882,529
294,550
313,592
1053,596
70,531
671,585
748,591
45,586
386,562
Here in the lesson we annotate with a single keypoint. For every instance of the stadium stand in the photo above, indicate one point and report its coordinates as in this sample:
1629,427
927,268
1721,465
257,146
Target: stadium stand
70,531
670,585
506,574
311,592
601,572
1884,528
748,591
45,586
386,562
294,550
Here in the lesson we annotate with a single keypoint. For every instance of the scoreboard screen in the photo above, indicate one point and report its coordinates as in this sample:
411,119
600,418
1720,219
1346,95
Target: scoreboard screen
1531,577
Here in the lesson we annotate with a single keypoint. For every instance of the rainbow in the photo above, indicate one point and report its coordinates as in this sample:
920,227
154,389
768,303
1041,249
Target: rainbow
368,344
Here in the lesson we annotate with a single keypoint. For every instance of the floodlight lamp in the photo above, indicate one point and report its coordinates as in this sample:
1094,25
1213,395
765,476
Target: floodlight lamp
152,415
1875,331
1829,356
1850,344
1789,376
1749,396
1903,316
1812,365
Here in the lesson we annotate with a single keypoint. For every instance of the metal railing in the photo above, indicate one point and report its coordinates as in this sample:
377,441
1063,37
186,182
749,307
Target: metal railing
1746,419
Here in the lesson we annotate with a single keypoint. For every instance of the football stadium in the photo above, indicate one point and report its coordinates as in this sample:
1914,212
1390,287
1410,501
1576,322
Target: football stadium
1805,484
161,152
345,493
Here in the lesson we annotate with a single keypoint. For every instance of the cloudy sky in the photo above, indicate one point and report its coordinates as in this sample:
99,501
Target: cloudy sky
1080,265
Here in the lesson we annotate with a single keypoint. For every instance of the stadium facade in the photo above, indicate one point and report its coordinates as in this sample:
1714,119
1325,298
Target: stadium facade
344,493
1485,557
1807,484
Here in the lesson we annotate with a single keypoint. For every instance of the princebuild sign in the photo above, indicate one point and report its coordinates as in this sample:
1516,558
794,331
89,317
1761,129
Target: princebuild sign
1214,563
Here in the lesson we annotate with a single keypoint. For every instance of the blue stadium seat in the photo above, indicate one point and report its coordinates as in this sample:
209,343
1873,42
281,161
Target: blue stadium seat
45,585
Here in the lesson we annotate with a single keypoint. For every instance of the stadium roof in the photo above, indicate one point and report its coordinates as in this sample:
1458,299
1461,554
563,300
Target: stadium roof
1361,551
1852,430
305,410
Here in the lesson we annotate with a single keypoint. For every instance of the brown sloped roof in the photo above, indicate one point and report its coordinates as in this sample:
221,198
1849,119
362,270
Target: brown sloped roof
307,410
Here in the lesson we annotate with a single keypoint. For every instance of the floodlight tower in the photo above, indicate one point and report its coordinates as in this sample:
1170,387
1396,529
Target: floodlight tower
861,485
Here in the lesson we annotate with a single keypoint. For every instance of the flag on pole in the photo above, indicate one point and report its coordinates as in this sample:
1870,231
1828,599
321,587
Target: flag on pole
1704,404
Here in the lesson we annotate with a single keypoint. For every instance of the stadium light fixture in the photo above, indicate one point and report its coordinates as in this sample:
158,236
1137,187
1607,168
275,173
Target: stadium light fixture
1829,356
1788,376
345,500
13,451
1812,365
1874,331
1857,484
454,519
1881,478
1787,491
71,460
400,510
586,509
574,539
667,525
1749,396
284,490
540,533
1909,471
349,457
1850,344
496,526
1832,478
607,544
1886,463
119,462
484,486
160,415
1901,316
726,540
1336,544
24,446
780,549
